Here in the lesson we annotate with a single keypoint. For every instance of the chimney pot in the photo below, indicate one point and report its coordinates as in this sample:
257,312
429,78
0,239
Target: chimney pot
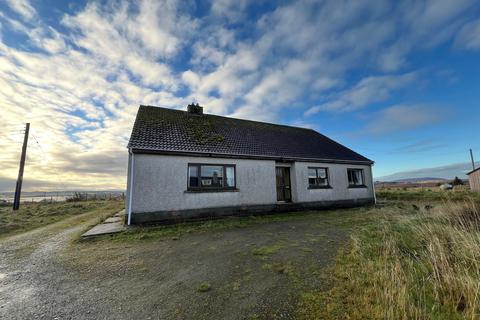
195,109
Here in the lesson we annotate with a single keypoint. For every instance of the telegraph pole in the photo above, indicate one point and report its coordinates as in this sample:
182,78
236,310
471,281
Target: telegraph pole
473,161
18,189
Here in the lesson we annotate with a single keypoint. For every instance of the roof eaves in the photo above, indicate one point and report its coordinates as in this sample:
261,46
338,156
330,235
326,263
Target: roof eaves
247,156
474,170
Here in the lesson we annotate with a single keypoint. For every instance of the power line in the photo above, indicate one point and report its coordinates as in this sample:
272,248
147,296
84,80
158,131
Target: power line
20,127
44,156
38,143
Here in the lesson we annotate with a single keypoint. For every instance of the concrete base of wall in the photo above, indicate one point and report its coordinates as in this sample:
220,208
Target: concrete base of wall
169,217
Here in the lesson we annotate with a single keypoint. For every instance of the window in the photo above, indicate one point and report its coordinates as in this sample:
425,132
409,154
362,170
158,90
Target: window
211,177
355,178
193,176
230,177
318,178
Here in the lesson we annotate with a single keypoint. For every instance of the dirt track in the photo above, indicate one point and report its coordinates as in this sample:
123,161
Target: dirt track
254,272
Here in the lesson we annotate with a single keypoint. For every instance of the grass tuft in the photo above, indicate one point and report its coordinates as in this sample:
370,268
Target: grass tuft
417,263
267,250
204,287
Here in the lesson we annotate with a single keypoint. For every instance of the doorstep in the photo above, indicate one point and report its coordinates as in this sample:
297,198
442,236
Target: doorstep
111,225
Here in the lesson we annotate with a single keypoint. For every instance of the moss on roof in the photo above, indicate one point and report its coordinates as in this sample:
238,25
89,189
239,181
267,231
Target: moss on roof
201,130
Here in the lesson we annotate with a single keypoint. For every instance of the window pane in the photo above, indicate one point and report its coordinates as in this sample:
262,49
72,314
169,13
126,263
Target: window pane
230,176
358,177
355,177
322,179
193,176
212,176
317,177
322,173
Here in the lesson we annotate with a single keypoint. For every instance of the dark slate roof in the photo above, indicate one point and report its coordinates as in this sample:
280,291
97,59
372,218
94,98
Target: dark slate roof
166,130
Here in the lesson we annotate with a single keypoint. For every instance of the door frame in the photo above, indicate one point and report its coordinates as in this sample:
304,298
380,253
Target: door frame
285,186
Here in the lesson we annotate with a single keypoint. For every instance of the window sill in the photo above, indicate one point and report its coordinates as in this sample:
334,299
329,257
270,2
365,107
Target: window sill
357,187
318,187
213,190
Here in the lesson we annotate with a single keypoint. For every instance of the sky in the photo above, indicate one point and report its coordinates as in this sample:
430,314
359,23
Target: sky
397,81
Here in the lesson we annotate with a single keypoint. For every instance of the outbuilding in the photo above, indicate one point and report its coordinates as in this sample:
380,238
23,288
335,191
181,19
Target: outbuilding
474,179
190,165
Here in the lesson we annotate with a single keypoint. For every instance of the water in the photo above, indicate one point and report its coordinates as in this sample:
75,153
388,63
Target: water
35,199
58,196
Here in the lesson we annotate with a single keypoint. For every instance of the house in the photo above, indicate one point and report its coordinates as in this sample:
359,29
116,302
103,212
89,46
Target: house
474,179
190,165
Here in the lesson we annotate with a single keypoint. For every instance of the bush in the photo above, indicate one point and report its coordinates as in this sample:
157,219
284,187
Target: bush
457,182
77,196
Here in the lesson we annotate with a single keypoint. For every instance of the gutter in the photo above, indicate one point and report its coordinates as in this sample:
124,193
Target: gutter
130,191
246,156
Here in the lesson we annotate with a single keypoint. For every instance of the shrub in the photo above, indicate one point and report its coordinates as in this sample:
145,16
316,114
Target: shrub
457,182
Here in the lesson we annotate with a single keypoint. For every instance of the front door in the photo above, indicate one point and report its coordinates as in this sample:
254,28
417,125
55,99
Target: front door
283,184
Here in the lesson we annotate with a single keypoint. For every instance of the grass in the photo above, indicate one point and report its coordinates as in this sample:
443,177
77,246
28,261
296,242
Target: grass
34,215
267,250
420,194
408,264
416,257
204,287
282,268
349,217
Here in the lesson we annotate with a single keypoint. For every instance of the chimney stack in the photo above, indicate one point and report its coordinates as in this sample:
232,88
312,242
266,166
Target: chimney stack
195,109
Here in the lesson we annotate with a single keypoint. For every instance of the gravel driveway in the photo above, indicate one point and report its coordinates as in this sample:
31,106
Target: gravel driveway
253,272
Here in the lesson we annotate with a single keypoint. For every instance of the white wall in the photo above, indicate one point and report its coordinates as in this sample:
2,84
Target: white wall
338,181
129,182
160,182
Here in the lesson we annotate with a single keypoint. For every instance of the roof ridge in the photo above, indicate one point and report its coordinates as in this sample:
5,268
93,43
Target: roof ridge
247,120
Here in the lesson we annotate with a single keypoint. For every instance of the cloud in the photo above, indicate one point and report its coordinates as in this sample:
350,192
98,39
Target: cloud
403,117
469,36
22,7
48,39
445,172
423,145
231,10
367,91
80,100
79,82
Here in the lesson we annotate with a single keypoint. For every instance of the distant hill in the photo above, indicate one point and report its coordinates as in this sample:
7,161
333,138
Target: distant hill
429,182
447,172
420,180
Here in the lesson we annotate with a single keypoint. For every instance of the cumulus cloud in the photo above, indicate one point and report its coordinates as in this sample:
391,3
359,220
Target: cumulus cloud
79,82
80,103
